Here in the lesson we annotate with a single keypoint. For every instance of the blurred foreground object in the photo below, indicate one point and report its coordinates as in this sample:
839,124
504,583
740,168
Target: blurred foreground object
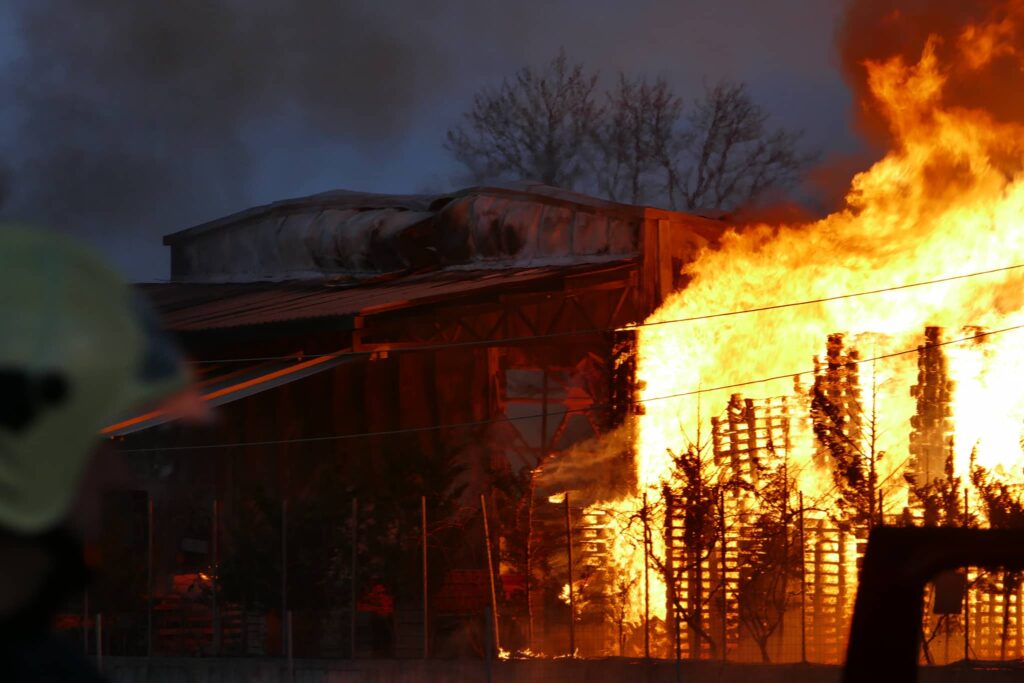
886,630
78,348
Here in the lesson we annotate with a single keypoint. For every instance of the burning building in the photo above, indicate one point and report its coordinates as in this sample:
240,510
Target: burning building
878,352
729,411
368,351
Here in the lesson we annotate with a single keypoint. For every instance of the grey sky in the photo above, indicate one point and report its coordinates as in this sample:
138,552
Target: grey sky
129,125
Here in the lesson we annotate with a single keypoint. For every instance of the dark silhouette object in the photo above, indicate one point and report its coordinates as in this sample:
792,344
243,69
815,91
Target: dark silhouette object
883,643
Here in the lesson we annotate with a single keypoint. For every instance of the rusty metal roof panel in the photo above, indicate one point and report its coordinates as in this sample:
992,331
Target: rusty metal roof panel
189,307
359,235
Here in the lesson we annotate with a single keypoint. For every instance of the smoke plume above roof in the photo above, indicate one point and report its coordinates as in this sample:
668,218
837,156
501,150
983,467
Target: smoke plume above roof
123,105
126,120
874,30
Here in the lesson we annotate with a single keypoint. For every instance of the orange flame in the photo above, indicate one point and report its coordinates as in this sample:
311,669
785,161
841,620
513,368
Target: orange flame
947,199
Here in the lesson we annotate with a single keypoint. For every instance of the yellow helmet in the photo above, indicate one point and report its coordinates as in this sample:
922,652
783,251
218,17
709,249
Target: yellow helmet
78,349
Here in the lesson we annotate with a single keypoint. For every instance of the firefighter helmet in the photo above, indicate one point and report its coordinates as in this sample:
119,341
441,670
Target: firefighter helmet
78,349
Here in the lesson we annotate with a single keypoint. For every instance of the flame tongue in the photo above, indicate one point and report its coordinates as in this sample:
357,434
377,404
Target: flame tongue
941,203
948,199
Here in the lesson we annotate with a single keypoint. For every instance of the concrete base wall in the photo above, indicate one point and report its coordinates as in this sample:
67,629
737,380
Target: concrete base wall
159,670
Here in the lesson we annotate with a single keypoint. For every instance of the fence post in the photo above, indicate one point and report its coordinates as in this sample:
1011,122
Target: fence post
291,658
490,571
572,590
803,585
99,641
725,581
284,573
149,574
214,571
967,587
426,606
529,561
352,581
647,583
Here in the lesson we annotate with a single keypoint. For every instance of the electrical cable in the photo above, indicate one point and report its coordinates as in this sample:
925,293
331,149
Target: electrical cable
579,333
537,416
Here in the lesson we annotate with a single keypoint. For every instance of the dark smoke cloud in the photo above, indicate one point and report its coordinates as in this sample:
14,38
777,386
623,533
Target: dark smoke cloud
126,106
874,30
128,119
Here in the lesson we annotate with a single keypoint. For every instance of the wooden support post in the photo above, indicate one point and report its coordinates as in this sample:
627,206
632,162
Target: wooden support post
967,587
803,586
543,456
572,590
725,583
426,606
149,574
647,581
490,572
352,580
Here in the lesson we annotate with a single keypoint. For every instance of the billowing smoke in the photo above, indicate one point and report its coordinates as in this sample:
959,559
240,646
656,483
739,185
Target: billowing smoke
127,119
597,469
151,109
876,30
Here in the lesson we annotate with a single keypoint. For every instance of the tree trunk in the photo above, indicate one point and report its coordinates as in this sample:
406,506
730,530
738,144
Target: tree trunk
762,645
925,645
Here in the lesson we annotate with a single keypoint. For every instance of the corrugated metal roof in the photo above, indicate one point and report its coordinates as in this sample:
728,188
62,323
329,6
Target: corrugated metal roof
364,201
193,307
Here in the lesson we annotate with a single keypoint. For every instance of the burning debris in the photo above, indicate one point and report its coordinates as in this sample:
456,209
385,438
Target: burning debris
888,428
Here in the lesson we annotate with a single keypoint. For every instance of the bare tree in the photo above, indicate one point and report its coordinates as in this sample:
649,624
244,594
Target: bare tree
730,154
694,514
772,557
622,588
538,125
941,499
640,146
636,140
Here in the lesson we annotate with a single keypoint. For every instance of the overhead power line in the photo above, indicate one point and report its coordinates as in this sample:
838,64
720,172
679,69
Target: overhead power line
579,333
537,416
